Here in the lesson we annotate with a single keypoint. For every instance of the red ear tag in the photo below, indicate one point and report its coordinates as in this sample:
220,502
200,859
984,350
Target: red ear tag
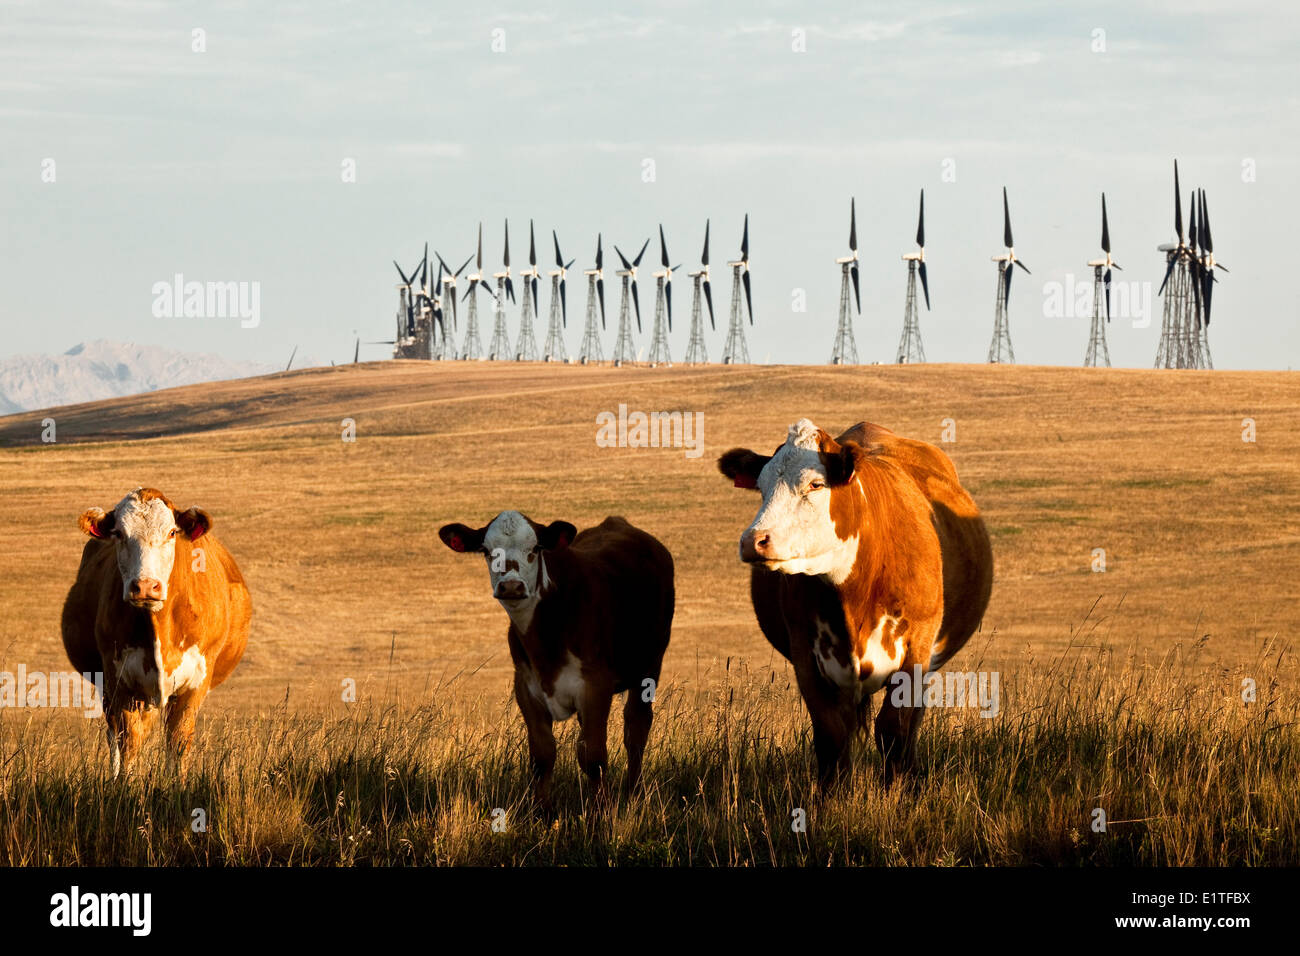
200,532
456,543
744,481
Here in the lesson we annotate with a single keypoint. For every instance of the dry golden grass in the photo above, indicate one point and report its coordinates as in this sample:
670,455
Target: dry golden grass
338,543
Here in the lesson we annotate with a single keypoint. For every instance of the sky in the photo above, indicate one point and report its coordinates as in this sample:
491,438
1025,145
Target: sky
130,156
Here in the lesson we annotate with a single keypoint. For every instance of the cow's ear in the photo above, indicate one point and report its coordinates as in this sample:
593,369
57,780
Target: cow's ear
742,466
96,523
841,462
557,534
195,522
461,537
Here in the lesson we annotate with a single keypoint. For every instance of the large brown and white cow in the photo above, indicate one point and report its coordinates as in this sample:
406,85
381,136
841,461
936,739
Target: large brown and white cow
868,558
590,617
160,608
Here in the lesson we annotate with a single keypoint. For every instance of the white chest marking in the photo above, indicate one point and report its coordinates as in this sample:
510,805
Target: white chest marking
883,663
564,698
143,672
832,668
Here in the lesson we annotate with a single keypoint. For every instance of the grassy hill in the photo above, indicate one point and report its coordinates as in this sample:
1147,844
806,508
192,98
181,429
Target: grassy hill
1120,683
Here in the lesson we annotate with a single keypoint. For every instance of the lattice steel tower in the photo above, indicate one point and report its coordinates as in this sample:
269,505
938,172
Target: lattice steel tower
910,349
845,351
736,350
559,318
500,348
526,350
624,349
591,351
1000,350
660,354
1098,351
697,352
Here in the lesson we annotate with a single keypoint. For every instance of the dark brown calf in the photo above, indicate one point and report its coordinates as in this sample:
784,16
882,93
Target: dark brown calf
590,617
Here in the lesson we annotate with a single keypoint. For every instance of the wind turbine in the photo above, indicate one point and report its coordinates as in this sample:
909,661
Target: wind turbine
1208,278
1000,350
591,351
1098,351
910,349
554,351
527,349
449,288
845,350
736,351
659,351
473,346
500,348
696,352
624,351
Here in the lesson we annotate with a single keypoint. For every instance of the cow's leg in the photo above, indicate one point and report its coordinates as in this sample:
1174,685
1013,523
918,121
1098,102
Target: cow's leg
541,740
834,718
593,756
638,714
897,725
181,714
128,728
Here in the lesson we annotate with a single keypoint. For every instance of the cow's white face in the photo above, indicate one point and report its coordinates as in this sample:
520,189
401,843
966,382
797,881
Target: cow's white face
515,549
146,549
794,531
144,527
514,557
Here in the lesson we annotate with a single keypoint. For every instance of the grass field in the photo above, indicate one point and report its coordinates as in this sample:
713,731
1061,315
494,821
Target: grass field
1120,690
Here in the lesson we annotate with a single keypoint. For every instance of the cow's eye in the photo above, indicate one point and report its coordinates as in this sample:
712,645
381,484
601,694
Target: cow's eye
173,532
816,485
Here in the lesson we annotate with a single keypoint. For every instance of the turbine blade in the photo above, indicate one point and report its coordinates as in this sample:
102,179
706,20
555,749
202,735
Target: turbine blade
506,257
1209,287
1178,205
478,266
749,303
1106,279
600,292
1105,229
1006,293
663,247
564,306
600,254
467,261
644,246
1006,220
510,289
1023,266
925,286
533,282
920,223
744,245
532,245
857,297
668,301
1205,224
636,303
621,258
704,259
853,225
708,297
1169,268
559,259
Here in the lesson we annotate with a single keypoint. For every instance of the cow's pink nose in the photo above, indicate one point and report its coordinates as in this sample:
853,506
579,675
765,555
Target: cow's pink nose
756,546
146,589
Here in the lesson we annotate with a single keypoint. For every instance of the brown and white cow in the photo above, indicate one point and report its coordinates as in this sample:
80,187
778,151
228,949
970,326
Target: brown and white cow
590,617
868,558
161,609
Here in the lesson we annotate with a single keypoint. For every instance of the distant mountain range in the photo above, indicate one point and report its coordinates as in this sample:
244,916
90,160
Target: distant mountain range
96,370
